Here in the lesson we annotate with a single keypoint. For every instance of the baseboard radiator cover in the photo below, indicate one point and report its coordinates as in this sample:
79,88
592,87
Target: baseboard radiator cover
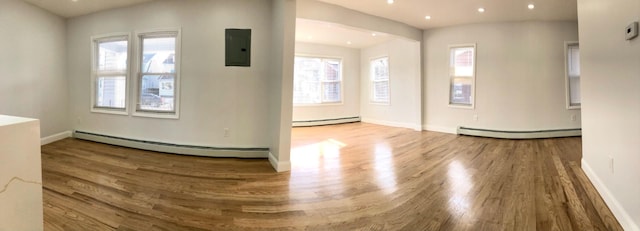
174,148
533,134
309,123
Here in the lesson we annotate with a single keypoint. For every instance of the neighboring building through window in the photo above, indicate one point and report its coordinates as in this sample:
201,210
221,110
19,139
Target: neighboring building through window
462,75
157,81
110,73
380,80
317,80
573,74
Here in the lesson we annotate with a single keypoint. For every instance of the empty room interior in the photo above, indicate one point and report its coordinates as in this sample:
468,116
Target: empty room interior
319,115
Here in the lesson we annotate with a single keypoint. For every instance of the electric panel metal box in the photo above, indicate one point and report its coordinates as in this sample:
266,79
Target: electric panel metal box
238,47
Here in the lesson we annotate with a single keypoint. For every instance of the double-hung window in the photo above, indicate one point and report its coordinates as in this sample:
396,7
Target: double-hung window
110,73
157,79
572,78
317,80
380,80
462,73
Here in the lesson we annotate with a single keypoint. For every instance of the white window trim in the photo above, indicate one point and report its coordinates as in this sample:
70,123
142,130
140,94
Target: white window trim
341,81
371,91
567,84
137,63
473,77
94,72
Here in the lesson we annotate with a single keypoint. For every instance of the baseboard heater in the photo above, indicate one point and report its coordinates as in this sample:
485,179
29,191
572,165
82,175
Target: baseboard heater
309,123
534,134
174,148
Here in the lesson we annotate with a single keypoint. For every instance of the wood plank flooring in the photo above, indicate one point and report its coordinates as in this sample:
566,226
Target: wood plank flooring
344,177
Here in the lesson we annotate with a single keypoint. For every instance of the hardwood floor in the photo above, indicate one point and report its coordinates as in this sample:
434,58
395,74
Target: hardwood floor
345,177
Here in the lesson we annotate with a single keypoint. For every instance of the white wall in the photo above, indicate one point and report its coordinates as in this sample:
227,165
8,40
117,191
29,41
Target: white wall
350,106
33,82
283,25
212,96
404,109
519,76
611,104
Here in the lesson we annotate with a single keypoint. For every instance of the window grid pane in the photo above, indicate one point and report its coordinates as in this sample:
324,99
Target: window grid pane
573,73
317,80
112,56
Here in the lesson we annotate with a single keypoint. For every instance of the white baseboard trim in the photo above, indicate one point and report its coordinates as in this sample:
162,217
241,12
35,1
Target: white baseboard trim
175,148
393,124
434,128
279,166
55,137
308,123
525,134
616,208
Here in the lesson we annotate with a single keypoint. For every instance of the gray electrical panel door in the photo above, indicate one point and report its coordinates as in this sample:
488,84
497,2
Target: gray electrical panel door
238,47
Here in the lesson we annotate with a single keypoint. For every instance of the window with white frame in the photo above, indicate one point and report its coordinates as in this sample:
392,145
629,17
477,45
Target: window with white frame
317,80
110,73
157,80
380,80
462,75
573,74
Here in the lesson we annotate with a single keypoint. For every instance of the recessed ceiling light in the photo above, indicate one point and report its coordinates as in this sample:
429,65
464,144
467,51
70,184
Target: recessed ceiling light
531,6
390,1
309,37
74,0
349,42
481,10
427,17
373,34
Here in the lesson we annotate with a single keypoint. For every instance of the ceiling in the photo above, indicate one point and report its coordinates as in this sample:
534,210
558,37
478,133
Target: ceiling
456,12
70,8
311,31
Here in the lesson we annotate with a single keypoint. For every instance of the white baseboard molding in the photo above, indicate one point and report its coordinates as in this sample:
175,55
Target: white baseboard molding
175,148
55,137
308,123
616,208
393,124
530,134
279,166
439,129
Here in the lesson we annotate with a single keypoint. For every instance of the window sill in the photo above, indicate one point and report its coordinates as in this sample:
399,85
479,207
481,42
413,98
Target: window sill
380,103
318,105
158,115
462,106
110,111
574,107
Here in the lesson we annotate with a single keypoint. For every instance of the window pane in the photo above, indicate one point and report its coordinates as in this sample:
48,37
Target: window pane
112,56
574,90
331,70
381,91
157,92
461,91
380,68
574,60
111,91
158,55
462,61
331,92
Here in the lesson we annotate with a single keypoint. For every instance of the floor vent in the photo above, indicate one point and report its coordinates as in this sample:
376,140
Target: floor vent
535,134
309,123
175,148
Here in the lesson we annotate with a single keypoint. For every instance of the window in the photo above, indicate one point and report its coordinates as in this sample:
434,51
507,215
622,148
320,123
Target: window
380,80
110,74
317,80
462,75
157,80
572,78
